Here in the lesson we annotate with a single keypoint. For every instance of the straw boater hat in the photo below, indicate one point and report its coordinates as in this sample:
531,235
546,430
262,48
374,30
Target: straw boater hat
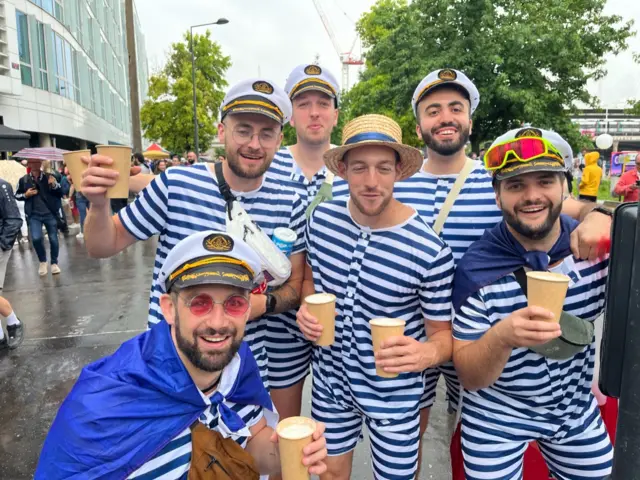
375,130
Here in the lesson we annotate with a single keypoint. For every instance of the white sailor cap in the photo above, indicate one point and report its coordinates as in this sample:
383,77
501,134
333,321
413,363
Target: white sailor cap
446,76
307,77
210,257
543,164
257,95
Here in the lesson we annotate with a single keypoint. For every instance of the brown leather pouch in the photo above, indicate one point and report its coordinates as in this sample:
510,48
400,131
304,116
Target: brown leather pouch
216,458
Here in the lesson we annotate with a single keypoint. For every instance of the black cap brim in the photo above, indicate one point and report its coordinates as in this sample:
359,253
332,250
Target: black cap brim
219,273
520,168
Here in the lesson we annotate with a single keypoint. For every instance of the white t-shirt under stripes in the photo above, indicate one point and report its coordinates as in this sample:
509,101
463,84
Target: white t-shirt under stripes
534,390
401,272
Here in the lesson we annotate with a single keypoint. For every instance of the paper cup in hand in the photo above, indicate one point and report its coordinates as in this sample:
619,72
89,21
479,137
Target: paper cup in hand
547,290
121,157
294,433
381,329
76,166
323,307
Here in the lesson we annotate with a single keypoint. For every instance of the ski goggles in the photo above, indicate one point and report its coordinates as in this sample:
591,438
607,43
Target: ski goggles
523,149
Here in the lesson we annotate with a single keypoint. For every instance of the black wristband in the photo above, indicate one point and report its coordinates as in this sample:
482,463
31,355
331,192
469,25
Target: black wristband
270,305
603,210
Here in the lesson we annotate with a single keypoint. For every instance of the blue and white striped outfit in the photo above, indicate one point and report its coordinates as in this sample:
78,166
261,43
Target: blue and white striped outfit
404,272
186,200
288,351
535,398
473,212
174,460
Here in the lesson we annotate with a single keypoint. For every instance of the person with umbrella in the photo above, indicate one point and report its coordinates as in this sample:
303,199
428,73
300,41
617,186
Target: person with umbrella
41,193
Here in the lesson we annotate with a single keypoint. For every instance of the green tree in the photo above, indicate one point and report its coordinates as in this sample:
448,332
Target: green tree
634,107
531,61
167,115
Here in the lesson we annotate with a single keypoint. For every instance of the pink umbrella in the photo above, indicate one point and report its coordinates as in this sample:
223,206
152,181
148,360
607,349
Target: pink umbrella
42,153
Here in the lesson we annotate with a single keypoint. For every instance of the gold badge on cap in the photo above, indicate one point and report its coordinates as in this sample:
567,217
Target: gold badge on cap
217,242
263,87
529,132
447,75
313,70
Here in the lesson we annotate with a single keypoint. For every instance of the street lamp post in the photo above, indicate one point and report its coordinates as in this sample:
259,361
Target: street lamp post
220,21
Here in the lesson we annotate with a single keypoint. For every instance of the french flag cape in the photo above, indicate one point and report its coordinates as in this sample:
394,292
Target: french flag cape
126,407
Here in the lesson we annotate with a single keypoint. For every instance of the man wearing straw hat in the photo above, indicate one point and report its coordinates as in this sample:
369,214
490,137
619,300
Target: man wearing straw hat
313,91
527,371
380,259
183,200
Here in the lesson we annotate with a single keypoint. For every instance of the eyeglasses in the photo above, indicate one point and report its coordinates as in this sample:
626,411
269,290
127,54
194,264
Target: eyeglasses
202,304
523,149
243,135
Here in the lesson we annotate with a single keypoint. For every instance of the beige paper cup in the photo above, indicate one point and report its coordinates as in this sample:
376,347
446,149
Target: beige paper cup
294,433
121,163
76,166
547,290
323,307
381,329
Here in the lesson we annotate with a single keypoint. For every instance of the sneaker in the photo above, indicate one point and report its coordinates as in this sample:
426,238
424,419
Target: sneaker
16,335
55,269
42,269
24,240
80,236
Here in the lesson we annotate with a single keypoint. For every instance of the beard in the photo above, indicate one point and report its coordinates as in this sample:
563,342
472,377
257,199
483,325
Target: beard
233,160
211,361
536,232
446,148
368,212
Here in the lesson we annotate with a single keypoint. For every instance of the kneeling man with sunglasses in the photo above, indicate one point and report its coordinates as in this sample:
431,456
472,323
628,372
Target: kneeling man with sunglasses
526,371
184,398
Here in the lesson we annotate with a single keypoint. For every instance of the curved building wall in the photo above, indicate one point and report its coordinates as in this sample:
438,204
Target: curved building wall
67,70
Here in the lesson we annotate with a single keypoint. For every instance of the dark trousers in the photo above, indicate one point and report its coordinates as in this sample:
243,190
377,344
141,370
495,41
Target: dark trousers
589,198
83,205
36,221
118,204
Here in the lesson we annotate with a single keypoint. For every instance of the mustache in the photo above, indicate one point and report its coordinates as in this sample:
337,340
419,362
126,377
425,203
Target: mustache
446,124
215,332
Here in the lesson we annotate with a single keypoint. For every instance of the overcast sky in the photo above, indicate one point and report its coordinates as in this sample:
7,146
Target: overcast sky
270,38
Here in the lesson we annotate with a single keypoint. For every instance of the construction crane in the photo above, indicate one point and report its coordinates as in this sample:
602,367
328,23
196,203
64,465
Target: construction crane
346,58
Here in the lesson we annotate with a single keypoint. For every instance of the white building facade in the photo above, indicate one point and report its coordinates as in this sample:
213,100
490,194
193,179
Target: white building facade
63,71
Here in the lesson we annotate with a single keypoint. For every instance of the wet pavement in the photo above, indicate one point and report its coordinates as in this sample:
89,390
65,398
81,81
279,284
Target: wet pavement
81,315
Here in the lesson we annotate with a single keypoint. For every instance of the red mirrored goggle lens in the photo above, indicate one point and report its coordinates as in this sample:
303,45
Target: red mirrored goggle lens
523,148
235,305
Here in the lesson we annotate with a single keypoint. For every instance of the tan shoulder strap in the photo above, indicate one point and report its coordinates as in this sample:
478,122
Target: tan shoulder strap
453,195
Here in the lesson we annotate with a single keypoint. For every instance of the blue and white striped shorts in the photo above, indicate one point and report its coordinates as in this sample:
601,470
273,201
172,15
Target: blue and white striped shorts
431,377
579,449
289,353
394,444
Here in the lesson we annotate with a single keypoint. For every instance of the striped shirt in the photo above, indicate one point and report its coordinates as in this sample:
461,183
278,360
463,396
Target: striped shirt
186,200
401,272
473,212
174,460
285,169
532,387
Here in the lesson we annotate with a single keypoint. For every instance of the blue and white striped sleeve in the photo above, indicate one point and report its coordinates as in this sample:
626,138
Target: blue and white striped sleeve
435,292
308,240
298,223
147,215
471,321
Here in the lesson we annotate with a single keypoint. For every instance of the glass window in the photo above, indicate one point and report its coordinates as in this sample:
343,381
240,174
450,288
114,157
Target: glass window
47,5
43,56
23,49
59,11
68,65
61,84
76,76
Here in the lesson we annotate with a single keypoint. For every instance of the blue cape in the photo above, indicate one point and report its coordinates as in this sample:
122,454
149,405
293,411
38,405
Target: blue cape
126,407
497,254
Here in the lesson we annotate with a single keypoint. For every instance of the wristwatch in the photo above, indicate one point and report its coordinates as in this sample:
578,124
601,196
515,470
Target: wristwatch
602,210
270,305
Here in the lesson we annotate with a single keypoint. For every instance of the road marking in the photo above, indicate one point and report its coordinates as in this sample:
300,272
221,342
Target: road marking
85,335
